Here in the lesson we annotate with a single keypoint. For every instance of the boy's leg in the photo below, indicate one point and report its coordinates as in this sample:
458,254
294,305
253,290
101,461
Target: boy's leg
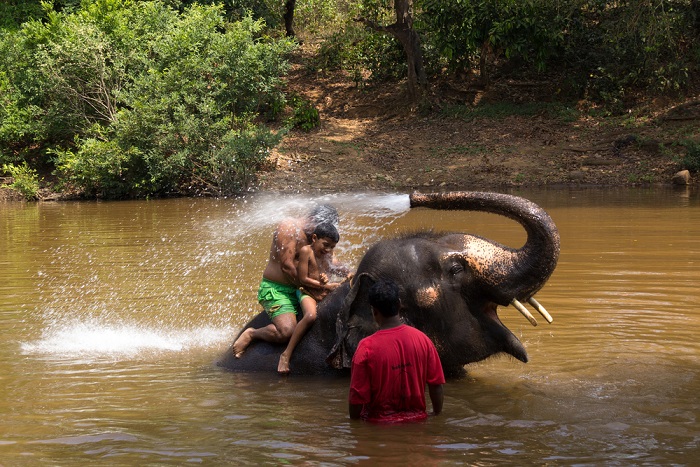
308,309
279,332
280,302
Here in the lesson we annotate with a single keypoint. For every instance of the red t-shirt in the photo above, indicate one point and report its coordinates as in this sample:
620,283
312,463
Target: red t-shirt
390,369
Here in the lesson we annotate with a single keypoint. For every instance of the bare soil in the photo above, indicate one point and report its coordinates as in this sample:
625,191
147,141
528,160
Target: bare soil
369,138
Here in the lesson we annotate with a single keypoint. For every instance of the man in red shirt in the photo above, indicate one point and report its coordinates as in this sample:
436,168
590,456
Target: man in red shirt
391,367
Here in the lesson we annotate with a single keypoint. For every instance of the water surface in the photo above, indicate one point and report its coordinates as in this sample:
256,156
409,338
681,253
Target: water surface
112,315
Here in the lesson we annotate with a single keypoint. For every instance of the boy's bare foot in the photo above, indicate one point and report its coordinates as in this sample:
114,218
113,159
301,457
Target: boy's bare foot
283,365
242,342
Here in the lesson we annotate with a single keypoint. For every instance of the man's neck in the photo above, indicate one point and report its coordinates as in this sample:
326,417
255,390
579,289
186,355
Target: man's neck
390,322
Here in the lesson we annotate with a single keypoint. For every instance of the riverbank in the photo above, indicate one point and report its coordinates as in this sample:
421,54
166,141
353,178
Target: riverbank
369,139
473,139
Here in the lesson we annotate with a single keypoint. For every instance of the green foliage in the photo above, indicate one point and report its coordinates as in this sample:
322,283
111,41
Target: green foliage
691,159
128,98
608,49
461,30
100,168
14,12
315,17
26,180
231,168
615,49
305,116
269,11
362,51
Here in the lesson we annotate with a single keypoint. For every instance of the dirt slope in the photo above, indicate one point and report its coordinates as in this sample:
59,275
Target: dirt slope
369,139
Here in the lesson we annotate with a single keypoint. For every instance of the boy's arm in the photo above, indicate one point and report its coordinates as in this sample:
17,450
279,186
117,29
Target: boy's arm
306,256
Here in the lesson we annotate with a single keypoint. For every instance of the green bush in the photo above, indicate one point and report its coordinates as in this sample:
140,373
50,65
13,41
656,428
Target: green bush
14,12
306,116
231,168
26,180
128,98
361,51
527,30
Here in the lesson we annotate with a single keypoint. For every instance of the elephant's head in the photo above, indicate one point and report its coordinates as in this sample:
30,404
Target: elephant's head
451,284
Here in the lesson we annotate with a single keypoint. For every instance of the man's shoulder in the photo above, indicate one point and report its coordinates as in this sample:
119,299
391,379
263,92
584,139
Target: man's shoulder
415,333
291,223
408,329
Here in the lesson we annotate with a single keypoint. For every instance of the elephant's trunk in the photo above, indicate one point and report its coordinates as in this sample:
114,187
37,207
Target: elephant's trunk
510,274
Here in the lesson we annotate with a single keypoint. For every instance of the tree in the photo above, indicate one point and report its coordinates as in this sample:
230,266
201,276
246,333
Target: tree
403,31
289,6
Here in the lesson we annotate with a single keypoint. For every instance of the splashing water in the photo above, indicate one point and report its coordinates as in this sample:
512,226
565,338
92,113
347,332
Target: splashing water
85,339
151,278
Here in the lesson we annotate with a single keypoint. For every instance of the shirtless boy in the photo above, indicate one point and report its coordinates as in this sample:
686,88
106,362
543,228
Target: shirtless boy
312,275
278,289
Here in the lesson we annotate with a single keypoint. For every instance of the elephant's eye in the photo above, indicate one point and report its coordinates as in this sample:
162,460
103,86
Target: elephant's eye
456,269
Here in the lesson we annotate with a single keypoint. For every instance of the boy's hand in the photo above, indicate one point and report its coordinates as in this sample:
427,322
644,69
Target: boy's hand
323,278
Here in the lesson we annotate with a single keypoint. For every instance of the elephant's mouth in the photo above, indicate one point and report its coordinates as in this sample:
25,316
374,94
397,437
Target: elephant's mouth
503,337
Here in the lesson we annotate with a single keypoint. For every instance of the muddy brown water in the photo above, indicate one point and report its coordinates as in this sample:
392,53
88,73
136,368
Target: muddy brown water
112,315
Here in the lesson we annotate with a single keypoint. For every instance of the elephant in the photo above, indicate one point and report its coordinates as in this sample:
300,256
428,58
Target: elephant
451,285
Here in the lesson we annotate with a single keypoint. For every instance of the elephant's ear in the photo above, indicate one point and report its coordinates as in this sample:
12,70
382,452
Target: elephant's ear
340,355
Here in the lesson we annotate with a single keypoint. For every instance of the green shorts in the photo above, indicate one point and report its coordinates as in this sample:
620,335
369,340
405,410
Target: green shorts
301,295
278,299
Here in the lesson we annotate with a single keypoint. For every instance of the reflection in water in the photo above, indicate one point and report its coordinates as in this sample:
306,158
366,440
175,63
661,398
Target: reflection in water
112,314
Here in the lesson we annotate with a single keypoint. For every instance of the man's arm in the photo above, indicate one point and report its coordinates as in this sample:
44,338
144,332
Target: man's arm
436,397
355,411
286,246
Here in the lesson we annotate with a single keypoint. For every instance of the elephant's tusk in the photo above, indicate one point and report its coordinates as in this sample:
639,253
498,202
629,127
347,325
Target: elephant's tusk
536,305
521,308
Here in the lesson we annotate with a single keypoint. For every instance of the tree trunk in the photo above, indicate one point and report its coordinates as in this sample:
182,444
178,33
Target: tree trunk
484,62
403,31
289,6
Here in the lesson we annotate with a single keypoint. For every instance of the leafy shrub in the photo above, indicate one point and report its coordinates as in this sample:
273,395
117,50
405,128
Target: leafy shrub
462,30
269,11
314,17
231,168
363,52
14,12
129,98
616,49
305,116
26,180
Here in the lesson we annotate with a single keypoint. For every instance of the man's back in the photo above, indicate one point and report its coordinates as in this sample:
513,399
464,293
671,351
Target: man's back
390,371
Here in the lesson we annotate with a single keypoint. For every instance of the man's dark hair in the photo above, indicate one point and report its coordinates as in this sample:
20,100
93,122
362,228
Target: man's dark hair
324,213
327,230
384,296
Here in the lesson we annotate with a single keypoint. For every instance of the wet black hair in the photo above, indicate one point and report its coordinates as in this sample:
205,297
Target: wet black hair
384,296
327,230
324,213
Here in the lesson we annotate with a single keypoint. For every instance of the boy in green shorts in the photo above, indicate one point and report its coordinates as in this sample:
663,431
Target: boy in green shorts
278,289
312,275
